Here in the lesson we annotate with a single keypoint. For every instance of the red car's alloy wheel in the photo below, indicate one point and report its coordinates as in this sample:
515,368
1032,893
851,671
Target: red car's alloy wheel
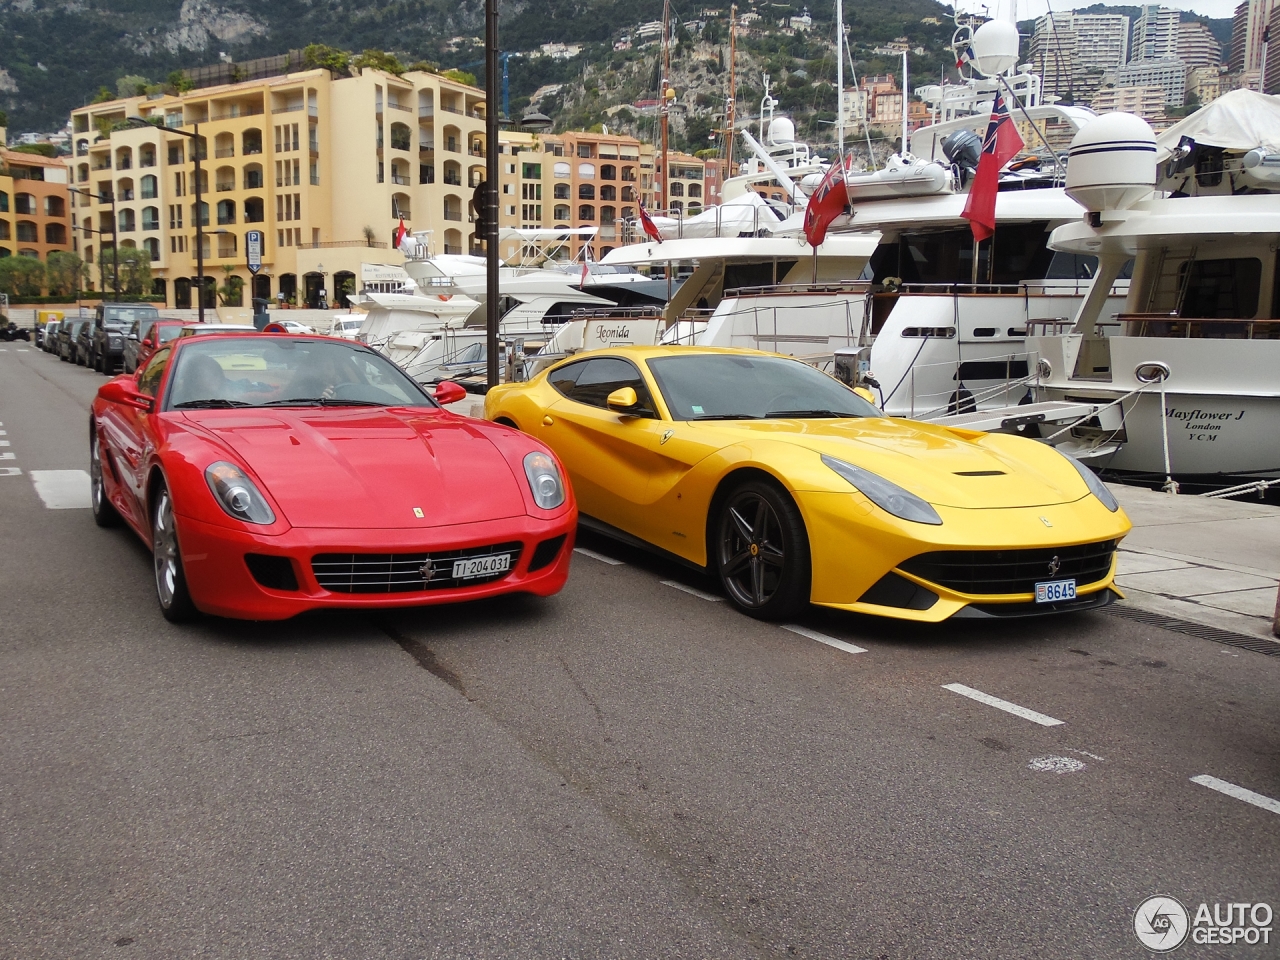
171,582
104,514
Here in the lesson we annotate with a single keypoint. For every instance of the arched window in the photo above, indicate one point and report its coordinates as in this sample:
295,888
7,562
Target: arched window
453,173
251,142
400,173
27,232
152,246
82,148
224,145
55,206
226,212
400,206
629,174
586,191
586,212
587,171
561,192
147,155
607,215
561,212
4,230
695,208
453,211
452,137
695,189
677,207
474,176
55,233
608,171
4,202
128,221
400,136
561,170
224,179
124,158
149,187
676,189
24,203
253,210
204,214
608,192
253,176
150,218
453,241
124,190
628,213
82,174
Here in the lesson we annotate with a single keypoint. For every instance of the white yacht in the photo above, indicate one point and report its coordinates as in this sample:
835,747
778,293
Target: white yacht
1185,379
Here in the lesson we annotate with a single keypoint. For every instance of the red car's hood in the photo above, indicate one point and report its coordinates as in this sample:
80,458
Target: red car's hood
367,468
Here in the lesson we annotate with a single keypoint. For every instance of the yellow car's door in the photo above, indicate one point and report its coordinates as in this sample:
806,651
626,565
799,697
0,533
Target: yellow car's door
609,455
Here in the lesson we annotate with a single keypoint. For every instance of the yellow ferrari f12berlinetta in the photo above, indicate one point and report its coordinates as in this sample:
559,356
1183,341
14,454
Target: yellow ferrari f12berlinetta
793,489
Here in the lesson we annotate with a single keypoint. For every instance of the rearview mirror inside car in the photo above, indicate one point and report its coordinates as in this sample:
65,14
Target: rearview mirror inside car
623,400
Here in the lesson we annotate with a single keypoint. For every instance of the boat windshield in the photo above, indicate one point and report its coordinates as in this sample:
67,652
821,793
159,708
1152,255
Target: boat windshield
721,386
274,371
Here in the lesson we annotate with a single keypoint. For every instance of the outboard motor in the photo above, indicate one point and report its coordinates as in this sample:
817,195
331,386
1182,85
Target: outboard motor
963,148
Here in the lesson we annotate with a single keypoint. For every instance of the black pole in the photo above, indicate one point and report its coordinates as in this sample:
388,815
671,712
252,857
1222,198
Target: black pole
115,248
491,194
195,145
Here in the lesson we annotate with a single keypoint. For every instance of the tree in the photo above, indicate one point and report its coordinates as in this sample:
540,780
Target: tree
135,271
231,292
39,149
4,119
180,82
132,85
330,58
461,76
65,273
21,276
104,95
378,60
370,236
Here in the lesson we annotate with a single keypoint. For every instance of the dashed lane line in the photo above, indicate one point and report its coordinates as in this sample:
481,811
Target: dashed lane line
693,592
62,489
1005,705
823,638
1239,793
598,556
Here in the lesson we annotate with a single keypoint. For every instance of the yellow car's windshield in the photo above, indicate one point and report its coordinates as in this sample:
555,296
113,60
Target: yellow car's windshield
722,386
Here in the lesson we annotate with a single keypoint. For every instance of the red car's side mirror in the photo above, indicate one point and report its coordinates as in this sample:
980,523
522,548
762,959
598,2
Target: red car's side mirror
449,392
124,390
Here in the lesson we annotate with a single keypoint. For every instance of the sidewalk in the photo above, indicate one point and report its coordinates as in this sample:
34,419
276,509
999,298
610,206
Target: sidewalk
1214,562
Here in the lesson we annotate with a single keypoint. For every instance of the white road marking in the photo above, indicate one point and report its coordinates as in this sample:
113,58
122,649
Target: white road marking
5,443
1086,753
23,350
1056,765
10,471
823,638
1240,793
598,556
8,456
1005,705
62,489
691,591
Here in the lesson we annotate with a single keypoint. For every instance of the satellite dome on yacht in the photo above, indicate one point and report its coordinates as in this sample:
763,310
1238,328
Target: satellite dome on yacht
1112,163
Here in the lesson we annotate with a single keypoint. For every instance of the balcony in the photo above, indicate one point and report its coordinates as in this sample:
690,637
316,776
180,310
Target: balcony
403,181
448,108
452,215
399,106
222,152
126,195
426,112
477,151
452,145
426,145
224,186
400,143
253,181
453,179
253,111
124,163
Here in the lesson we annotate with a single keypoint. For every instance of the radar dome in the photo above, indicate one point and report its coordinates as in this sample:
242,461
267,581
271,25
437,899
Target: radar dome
995,47
1112,163
782,130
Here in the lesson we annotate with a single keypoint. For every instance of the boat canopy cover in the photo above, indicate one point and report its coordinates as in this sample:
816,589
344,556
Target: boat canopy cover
745,214
1237,121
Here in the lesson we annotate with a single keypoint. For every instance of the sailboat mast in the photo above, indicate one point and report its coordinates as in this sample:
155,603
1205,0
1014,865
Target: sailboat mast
840,76
730,133
903,150
663,111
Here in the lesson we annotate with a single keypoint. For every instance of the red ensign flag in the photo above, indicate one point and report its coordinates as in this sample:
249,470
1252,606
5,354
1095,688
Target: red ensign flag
1001,145
826,203
650,228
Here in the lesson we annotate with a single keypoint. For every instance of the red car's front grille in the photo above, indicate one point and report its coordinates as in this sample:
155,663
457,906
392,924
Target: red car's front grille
405,572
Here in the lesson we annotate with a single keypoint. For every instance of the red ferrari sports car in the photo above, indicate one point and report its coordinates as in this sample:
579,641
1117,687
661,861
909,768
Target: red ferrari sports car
275,473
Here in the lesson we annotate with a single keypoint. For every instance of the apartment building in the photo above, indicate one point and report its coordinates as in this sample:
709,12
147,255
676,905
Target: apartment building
34,216
1147,102
1248,24
1197,46
1169,75
324,166
1155,34
1072,51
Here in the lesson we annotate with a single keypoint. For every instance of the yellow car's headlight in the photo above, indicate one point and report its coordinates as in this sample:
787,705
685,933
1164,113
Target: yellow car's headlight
1095,484
889,497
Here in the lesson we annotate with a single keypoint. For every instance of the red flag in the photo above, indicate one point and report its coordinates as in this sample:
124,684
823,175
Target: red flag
586,259
401,232
650,228
1000,146
826,203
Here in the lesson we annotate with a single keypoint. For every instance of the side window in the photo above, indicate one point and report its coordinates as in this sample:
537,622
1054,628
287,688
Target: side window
603,375
564,378
153,372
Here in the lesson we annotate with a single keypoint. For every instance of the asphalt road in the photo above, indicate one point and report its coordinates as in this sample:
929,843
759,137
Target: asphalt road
624,770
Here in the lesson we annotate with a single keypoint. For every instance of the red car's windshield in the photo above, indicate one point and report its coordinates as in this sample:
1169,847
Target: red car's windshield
169,332
258,371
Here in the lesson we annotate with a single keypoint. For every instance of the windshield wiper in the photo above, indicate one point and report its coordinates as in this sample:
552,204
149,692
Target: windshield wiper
727,416
807,414
211,402
320,402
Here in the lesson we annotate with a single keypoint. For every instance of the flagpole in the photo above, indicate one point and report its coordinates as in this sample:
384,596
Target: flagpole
840,76
1057,162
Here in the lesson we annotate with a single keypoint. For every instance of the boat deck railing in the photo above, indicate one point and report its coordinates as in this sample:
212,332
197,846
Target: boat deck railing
1175,326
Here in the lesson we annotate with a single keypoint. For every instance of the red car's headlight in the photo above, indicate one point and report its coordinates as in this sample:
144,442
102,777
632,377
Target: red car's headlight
237,495
544,480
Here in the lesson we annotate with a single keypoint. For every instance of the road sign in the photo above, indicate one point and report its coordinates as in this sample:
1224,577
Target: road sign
253,250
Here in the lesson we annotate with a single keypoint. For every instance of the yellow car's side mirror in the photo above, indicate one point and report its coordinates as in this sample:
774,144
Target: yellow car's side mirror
865,393
623,400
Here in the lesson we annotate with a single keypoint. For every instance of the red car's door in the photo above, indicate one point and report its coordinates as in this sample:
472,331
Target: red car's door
129,434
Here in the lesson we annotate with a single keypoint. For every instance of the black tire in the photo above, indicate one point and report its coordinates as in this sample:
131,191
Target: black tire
171,579
99,363
104,514
761,551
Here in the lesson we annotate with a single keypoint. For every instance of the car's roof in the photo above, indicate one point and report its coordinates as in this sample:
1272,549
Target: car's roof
653,352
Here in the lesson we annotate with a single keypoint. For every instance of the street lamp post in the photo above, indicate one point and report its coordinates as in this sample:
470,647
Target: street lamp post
197,142
115,246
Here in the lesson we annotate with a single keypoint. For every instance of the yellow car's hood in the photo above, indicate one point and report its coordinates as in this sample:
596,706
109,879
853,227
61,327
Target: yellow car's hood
945,467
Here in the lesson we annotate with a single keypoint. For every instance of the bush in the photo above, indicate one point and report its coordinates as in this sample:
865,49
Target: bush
378,60
461,76
330,58
21,276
